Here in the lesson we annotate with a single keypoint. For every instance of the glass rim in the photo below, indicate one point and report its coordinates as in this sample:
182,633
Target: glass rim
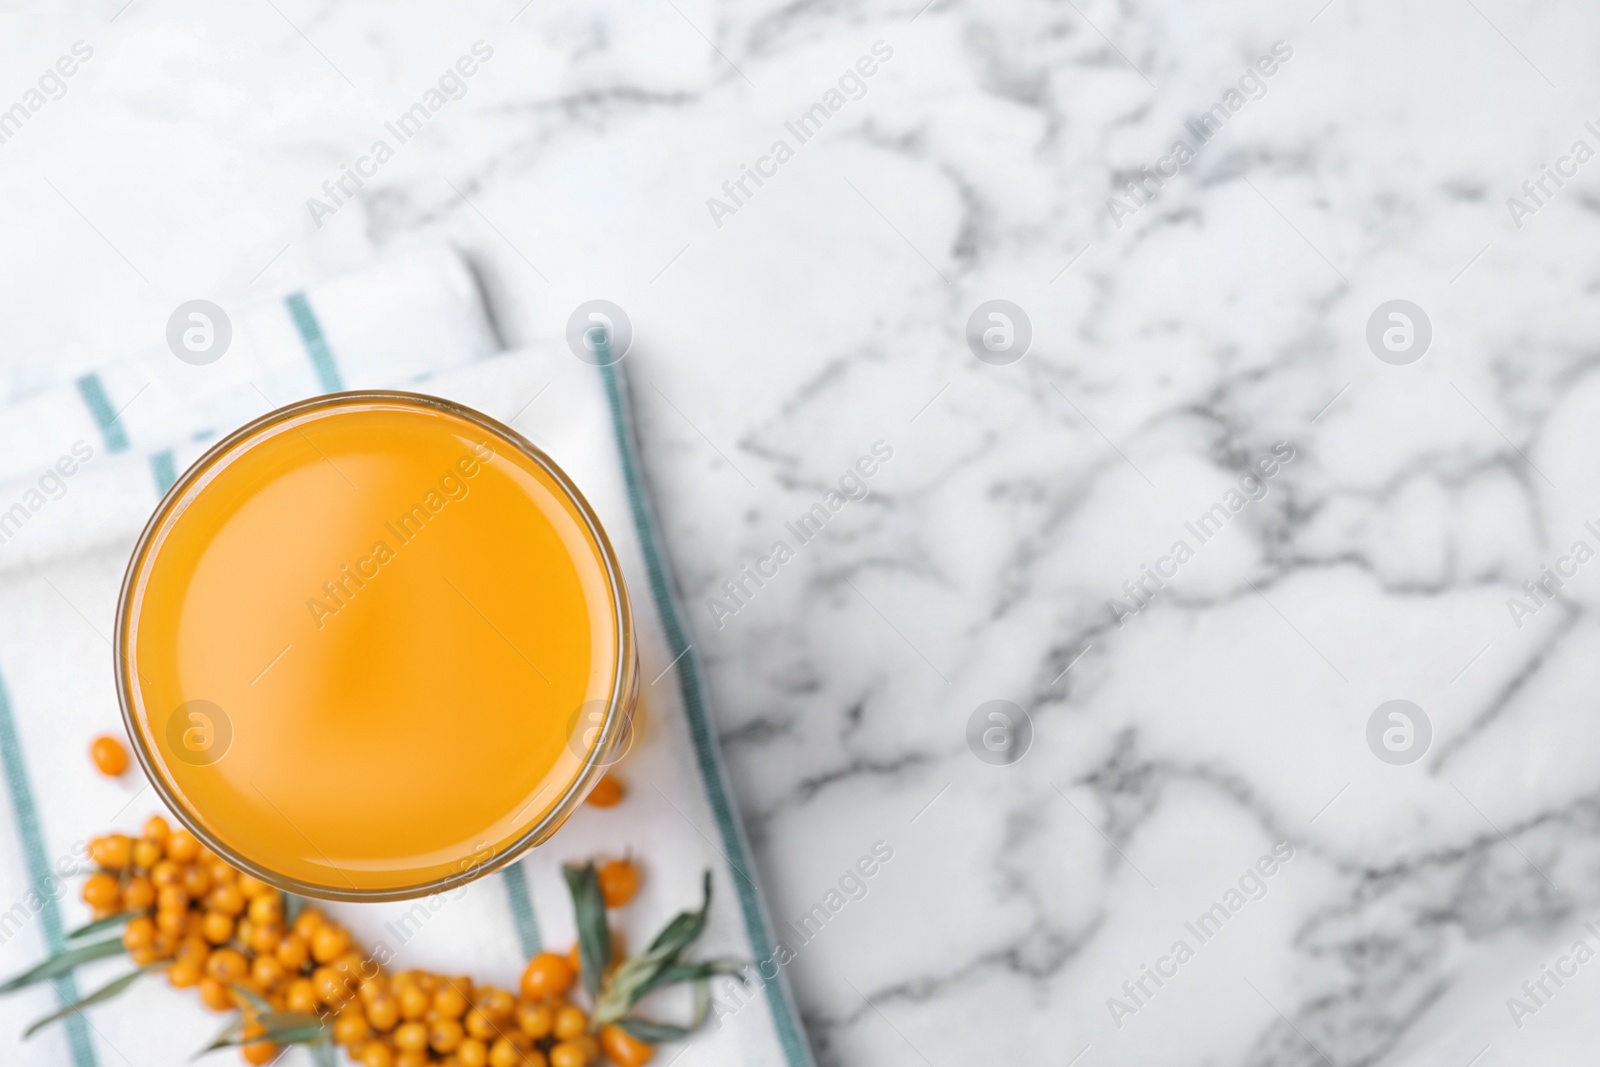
620,704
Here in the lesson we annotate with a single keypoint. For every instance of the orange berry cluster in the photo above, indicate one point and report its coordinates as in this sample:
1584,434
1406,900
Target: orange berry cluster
224,933
217,929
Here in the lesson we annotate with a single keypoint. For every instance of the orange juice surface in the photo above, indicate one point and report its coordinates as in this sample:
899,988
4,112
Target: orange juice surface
363,643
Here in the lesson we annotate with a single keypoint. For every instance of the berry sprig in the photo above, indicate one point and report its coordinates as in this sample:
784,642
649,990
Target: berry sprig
289,975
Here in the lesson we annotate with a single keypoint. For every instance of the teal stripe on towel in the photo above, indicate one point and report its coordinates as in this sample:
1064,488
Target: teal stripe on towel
105,417
784,1017
516,880
39,873
165,470
305,321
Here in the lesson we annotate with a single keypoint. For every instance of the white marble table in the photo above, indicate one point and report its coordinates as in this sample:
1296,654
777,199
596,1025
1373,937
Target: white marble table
1183,733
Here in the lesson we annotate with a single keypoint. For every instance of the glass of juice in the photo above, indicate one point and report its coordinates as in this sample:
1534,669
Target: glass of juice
374,645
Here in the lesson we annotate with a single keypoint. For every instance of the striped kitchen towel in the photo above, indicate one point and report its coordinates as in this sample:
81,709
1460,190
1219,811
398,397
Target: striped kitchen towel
74,494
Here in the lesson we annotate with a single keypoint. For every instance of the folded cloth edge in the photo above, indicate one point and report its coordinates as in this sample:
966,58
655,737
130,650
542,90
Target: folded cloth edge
714,775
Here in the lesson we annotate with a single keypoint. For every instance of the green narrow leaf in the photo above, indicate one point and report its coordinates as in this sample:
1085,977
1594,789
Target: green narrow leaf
282,1027
101,924
681,932
289,1020
104,993
296,1035
622,988
700,970
293,905
652,1032
231,1027
290,1035
594,934
62,962
257,1001
655,1032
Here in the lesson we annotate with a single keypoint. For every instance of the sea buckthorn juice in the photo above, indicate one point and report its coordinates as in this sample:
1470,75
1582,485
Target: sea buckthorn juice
373,645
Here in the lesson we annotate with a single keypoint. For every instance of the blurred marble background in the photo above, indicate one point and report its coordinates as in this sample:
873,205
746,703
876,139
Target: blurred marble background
1194,318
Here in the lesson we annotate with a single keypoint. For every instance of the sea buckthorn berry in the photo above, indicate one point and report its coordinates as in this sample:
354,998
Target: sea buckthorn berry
165,873
184,974
139,894
226,899
244,930
266,908
414,1001
108,755
374,987
411,1037
444,1035
249,884
182,847
113,850
146,854
536,1020
473,1052
547,975
622,1048
449,1003
377,1054
383,1012
352,963
172,898
306,923
292,952
156,829
140,933
351,1026
329,942
266,972
215,995
504,1054
256,1052
607,792
259,1052
143,957
495,1003
332,987
227,965
301,996
196,881
480,1025
100,890
173,923
570,1022
411,1057
216,927
264,939
569,1054
619,881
